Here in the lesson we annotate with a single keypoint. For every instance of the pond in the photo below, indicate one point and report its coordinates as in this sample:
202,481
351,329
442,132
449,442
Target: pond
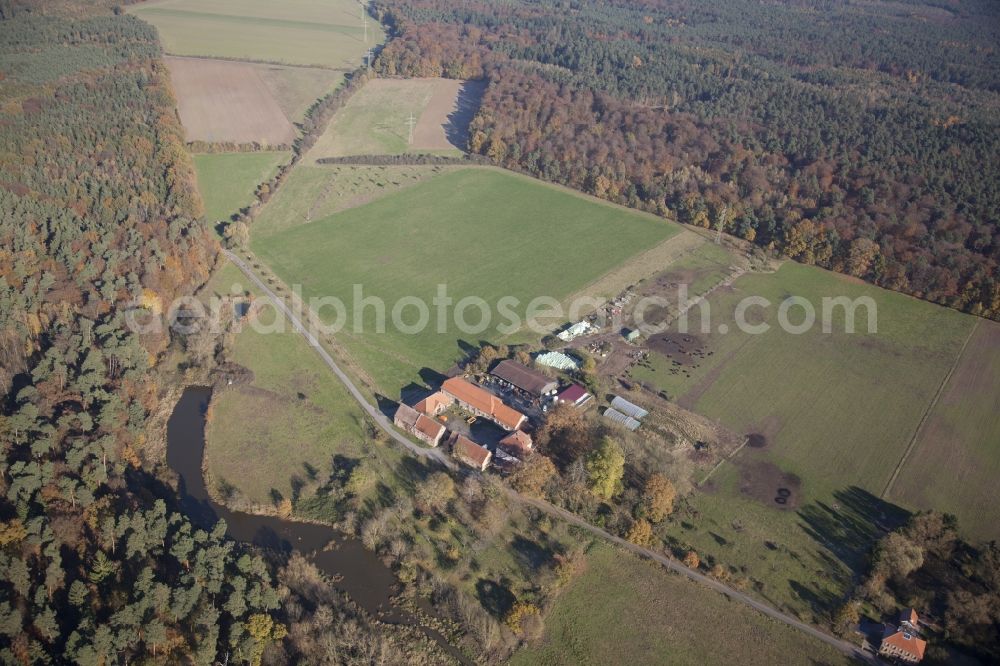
354,569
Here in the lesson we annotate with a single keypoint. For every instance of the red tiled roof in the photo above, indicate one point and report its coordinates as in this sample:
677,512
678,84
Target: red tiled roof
484,401
572,394
909,615
905,641
429,427
519,440
433,403
467,450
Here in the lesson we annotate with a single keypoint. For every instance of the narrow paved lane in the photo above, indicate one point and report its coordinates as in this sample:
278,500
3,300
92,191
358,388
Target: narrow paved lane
437,455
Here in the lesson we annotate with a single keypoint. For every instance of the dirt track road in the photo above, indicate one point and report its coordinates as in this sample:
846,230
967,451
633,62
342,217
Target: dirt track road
847,648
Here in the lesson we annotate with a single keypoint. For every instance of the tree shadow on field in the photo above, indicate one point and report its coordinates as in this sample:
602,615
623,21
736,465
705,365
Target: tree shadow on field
456,130
432,377
849,526
386,405
495,597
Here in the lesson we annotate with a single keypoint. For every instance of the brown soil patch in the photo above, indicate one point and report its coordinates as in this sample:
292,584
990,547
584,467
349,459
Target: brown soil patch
765,482
683,349
223,101
444,124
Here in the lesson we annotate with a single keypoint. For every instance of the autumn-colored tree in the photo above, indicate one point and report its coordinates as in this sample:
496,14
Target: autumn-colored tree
640,532
691,559
532,474
520,615
434,493
566,435
605,468
658,497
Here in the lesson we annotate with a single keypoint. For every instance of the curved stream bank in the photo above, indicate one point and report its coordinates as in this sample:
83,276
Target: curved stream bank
356,570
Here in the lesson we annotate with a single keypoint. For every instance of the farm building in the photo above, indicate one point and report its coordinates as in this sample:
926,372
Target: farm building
524,378
630,334
517,443
422,427
622,419
626,407
902,642
575,395
557,360
574,331
483,403
433,404
469,453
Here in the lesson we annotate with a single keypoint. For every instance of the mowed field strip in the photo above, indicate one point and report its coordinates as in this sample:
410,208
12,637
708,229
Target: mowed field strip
375,120
222,101
327,33
481,232
956,458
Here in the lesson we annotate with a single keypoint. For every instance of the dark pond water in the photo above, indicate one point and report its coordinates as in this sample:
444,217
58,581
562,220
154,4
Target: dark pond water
359,572
356,570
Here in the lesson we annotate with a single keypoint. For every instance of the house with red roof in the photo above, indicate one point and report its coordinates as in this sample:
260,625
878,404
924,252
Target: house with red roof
420,426
517,444
469,453
483,403
901,642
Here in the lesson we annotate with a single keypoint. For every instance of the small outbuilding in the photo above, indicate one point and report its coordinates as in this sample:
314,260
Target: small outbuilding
469,453
631,334
420,426
517,443
574,395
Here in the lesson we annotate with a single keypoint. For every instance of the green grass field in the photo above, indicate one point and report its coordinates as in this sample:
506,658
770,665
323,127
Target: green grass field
227,181
623,610
481,232
837,411
312,193
836,408
956,460
374,120
285,427
327,33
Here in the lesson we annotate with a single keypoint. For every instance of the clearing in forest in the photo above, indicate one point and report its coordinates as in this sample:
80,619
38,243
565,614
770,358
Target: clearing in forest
376,119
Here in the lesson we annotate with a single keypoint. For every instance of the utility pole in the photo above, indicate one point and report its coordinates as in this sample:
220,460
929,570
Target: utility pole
411,122
368,58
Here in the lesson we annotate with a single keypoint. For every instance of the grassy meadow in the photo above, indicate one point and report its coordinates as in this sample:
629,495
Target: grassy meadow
659,618
374,120
280,433
227,181
836,409
327,33
956,458
481,232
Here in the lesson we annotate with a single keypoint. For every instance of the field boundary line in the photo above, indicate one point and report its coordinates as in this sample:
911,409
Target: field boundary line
732,455
927,412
